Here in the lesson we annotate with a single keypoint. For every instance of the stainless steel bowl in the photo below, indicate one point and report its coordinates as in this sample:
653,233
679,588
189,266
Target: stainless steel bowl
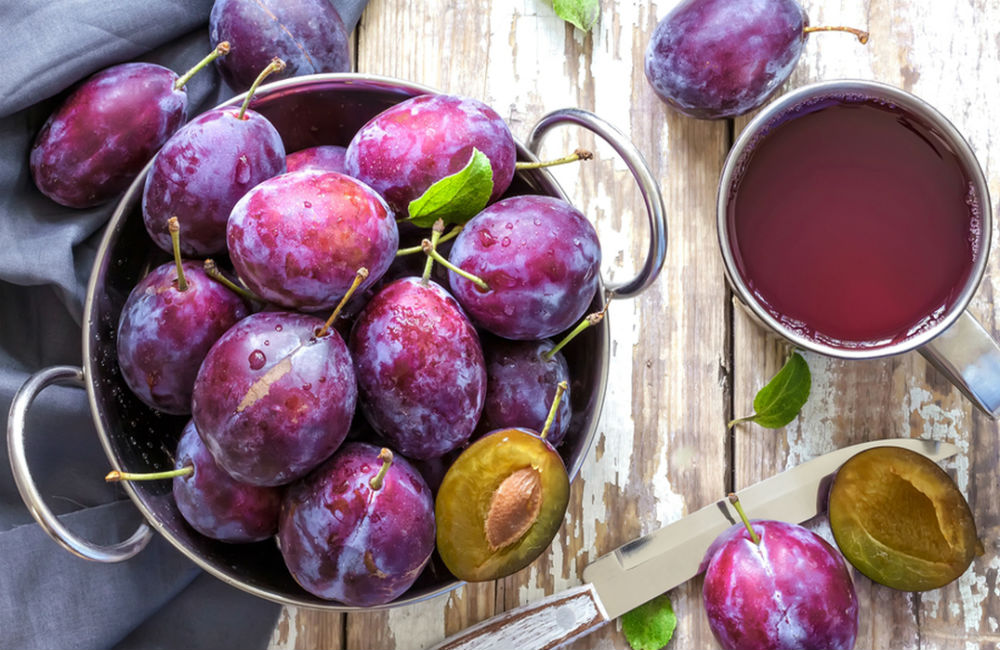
307,111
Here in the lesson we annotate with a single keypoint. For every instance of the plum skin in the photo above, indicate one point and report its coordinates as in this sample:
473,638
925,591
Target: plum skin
92,147
713,59
793,590
216,504
164,334
328,158
342,540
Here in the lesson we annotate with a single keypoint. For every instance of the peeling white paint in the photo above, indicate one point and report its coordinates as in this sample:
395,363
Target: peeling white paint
812,433
421,625
288,620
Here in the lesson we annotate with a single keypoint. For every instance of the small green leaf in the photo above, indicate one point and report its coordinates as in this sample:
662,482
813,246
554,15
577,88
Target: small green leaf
581,13
780,401
651,625
456,198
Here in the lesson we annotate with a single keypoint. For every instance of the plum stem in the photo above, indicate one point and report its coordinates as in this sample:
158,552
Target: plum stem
860,33
433,242
561,388
579,154
386,457
115,476
276,65
735,500
589,320
221,49
448,236
174,226
359,277
430,247
212,271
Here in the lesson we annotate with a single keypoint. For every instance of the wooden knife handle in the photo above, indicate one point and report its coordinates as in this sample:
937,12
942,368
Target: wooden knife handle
547,624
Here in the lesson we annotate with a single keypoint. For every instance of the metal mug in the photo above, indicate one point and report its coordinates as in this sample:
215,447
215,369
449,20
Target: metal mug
957,344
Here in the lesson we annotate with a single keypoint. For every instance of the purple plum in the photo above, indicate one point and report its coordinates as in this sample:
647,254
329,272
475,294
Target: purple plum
326,158
203,170
274,398
420,368
541,260
406,148
299,239
307,34
792,590
216,504
164,333
349,536
102,135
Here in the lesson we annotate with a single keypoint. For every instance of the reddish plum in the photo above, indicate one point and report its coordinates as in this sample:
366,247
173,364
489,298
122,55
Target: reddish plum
216,504
790,590
307,34
410,146
298,239
541,259
350,536
326,158
420,368
273,398
164,333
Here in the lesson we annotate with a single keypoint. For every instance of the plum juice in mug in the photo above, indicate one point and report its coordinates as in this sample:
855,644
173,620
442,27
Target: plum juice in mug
853,222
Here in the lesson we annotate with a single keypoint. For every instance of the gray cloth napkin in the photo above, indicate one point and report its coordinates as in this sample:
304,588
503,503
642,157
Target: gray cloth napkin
48,597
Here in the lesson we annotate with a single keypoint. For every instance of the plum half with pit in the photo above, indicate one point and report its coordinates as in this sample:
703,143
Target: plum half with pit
541,260
360,528
274,397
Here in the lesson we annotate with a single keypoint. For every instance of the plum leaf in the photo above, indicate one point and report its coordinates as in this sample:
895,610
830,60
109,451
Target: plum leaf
780,401
580,13
455,198
651,625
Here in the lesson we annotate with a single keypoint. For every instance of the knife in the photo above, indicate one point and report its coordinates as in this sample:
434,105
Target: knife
646,567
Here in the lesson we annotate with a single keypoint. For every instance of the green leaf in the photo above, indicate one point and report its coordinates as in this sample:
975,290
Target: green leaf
780,401
456,198
581,13
651,625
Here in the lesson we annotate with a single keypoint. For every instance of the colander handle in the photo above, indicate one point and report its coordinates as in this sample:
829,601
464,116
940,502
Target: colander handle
655,212
26,485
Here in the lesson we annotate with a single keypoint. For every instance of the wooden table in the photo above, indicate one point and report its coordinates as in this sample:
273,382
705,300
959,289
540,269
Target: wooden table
684,361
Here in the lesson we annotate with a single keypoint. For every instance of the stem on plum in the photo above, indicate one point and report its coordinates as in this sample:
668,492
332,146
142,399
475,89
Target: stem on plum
561,388
115,476
735,500
212,271
434,240
221,49
358,279
591,319
386,457
451,234
174,226
430,247
860,33
579,154
276,65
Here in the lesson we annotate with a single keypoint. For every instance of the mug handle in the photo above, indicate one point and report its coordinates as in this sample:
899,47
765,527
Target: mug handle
26,484
970,358
655,212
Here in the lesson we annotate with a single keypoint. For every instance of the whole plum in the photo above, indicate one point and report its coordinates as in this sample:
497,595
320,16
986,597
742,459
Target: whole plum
298,239
406,148
360,528
420,368
273,398
326,158
541,260
216,504
307,34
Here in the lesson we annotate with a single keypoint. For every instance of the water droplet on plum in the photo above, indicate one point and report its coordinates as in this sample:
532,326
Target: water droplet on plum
257,360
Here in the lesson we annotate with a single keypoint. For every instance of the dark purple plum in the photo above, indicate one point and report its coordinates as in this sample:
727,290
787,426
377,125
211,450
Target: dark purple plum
216,504
346,537
420,368
541,260
274,399
164,333
203,170
326,158
298,239
520,386
410,146
307,34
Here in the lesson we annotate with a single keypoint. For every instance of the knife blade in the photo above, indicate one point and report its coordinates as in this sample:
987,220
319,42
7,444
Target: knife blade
644,568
